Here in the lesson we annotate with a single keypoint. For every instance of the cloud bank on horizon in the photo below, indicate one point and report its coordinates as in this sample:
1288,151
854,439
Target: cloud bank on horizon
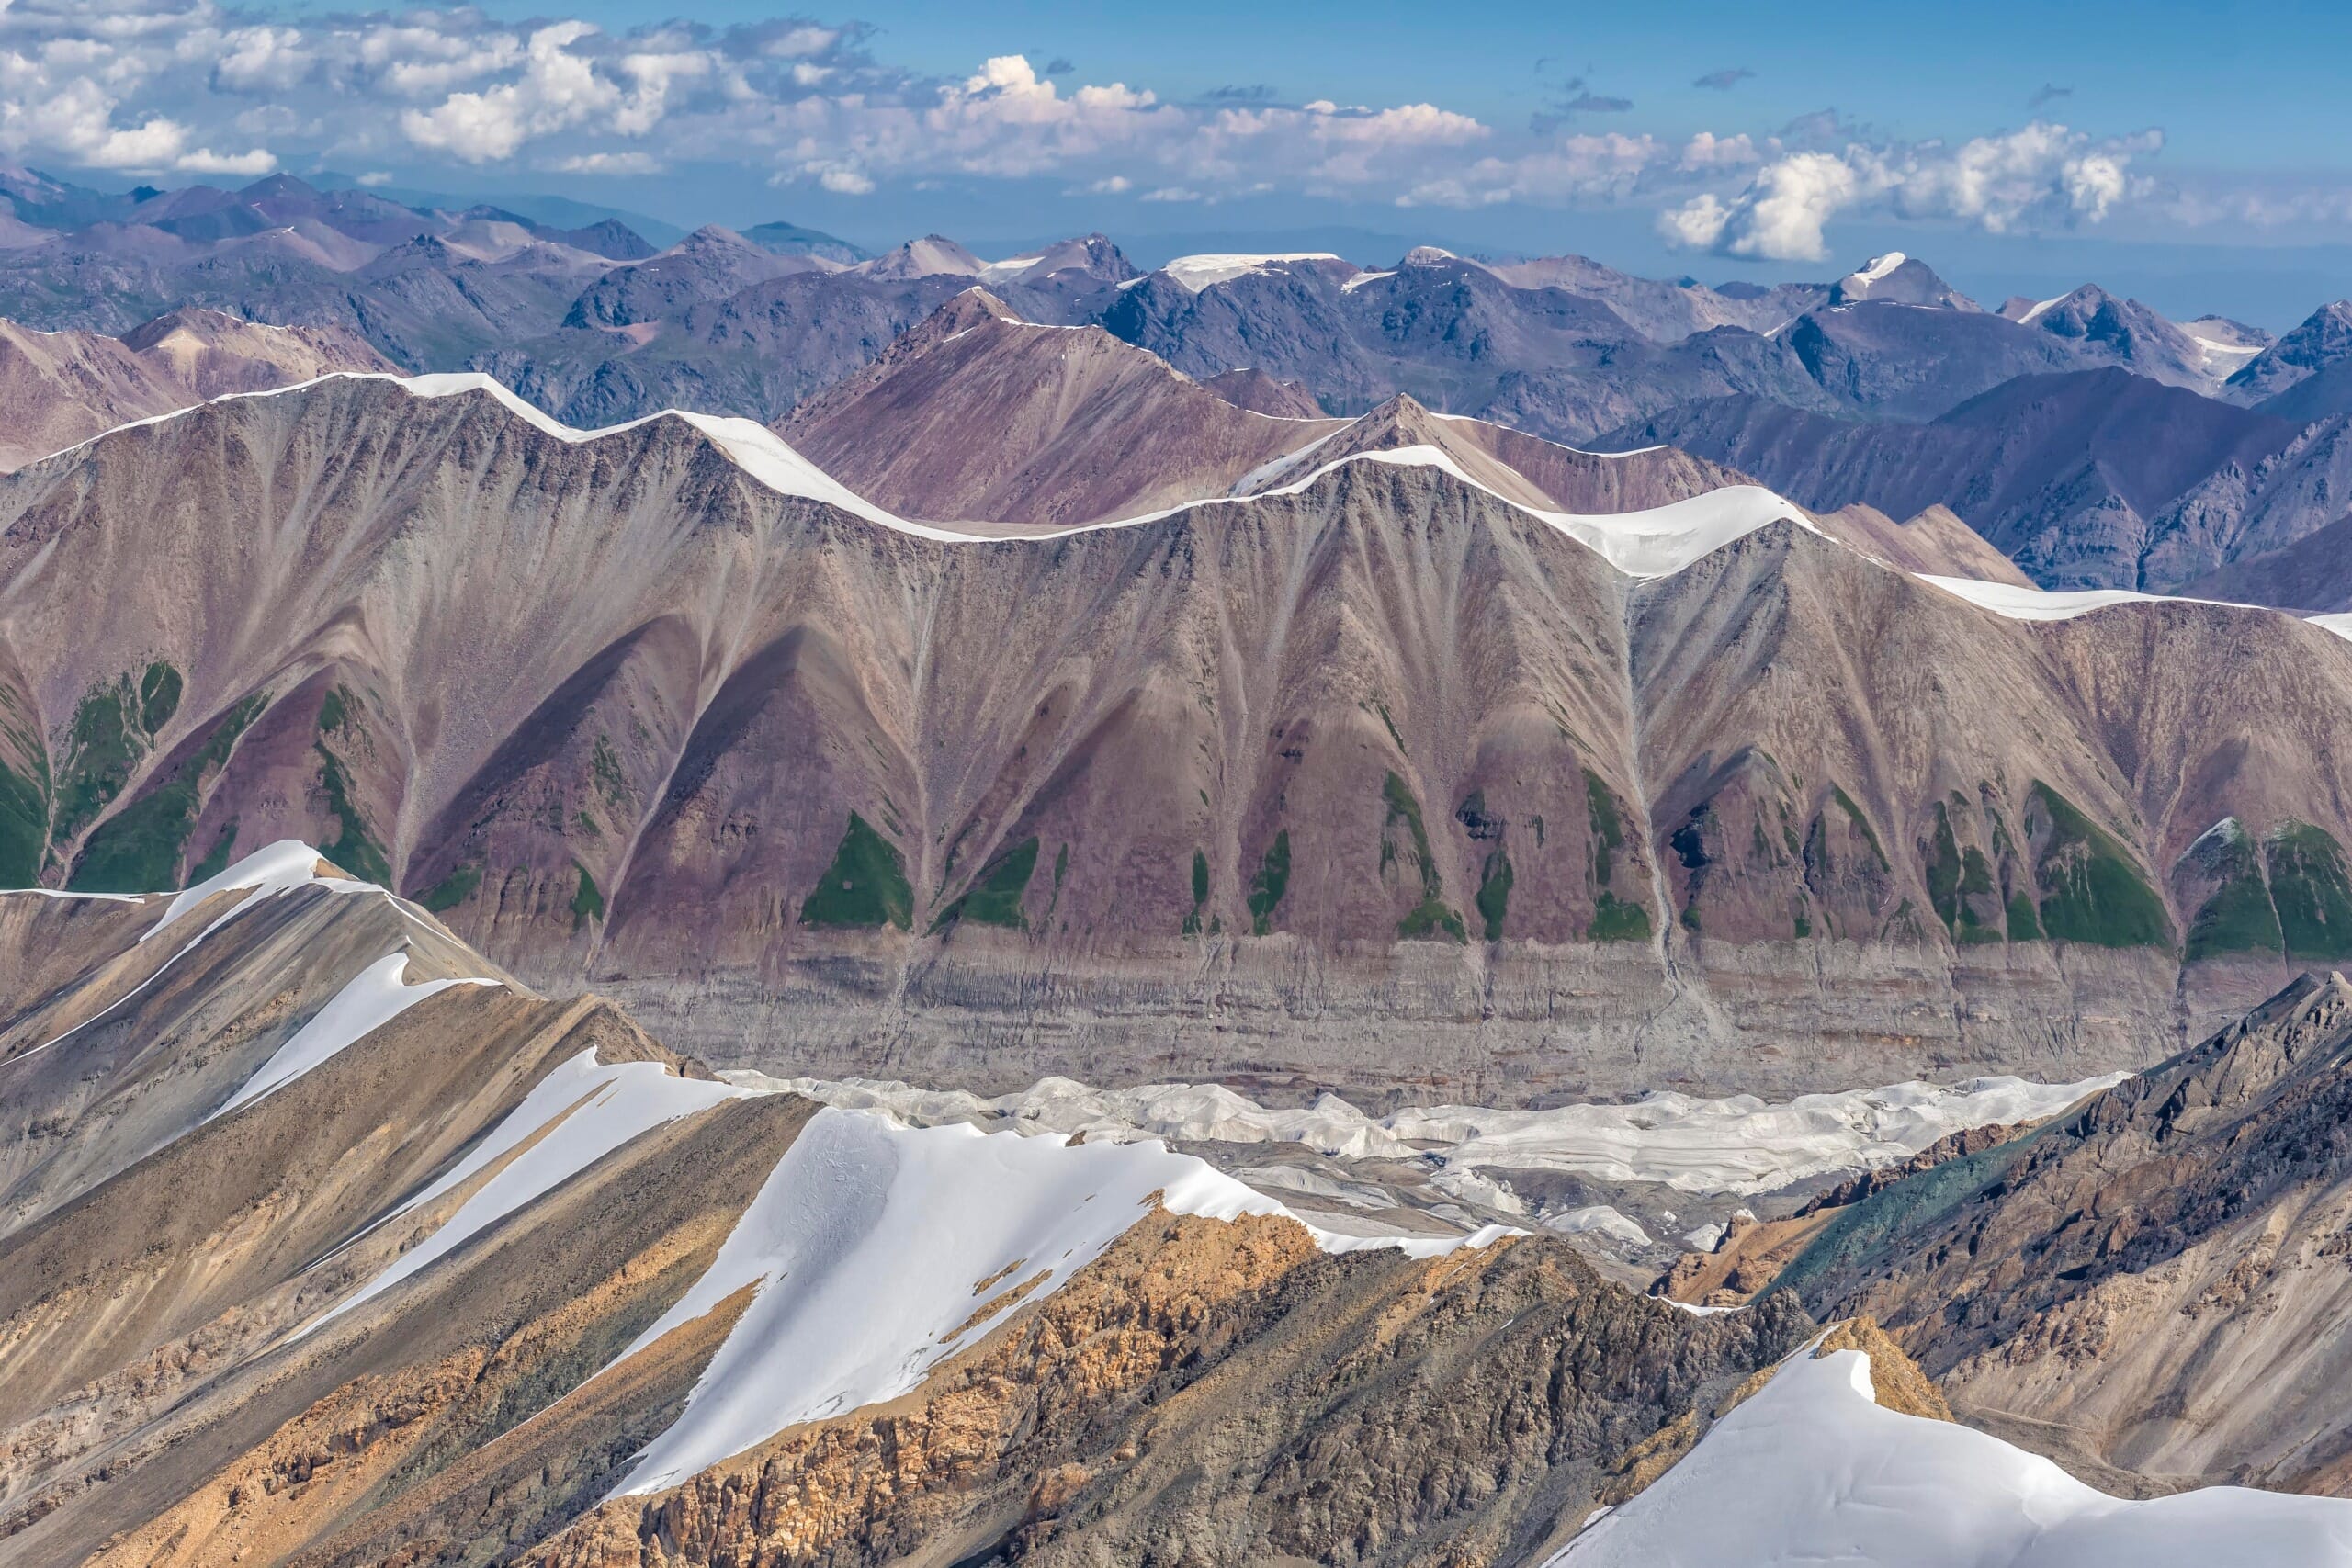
158,87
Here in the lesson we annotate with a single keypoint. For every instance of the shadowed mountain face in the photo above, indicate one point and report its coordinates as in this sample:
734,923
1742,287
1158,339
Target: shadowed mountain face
2158,1278
457,1274
1264,787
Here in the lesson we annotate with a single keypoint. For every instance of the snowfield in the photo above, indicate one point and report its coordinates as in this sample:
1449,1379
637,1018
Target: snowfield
879,1250
1814,1472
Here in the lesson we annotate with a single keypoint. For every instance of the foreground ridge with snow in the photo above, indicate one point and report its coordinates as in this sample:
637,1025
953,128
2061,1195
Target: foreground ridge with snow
1811,1470
513,1236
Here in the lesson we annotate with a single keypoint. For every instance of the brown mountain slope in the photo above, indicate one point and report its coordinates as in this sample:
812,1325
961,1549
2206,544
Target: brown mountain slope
1524,468
2158,1281
439,1298
1270,786
976,414
59,387
1936,543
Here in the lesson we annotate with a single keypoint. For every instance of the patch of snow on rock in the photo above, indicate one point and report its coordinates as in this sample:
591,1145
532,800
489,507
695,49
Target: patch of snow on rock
573,1118
1196,273
374,997
1813,1469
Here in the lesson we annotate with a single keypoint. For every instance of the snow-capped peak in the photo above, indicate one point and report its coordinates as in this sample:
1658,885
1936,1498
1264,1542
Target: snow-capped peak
1877,267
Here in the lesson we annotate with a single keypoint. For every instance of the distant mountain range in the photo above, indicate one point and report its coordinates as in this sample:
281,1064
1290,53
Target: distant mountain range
596,326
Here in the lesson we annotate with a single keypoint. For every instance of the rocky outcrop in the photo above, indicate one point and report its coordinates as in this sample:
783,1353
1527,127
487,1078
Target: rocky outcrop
1224,1387
2154,1278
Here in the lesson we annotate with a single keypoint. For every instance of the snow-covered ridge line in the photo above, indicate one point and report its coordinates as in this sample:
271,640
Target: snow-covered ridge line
1657,543
2013,603
1702,523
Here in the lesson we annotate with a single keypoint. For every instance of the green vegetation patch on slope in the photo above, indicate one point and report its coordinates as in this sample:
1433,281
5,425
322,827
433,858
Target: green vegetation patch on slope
2092,890
1614,919
159,696
1200,892
1862,825
2309,886
865,887
453,890
1266,889
138,850
355,848
994,897
1607,826
1494,894
2025,925
2237,916
24,827
1943,869
587,899
101,750
1432,917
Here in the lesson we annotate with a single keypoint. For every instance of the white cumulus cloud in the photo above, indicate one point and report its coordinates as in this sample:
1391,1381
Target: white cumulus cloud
2042,176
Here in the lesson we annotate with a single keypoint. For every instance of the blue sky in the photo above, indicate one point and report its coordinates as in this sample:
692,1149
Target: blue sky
2199,154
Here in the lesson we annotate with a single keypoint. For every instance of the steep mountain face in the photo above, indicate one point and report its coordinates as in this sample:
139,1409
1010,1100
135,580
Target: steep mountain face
1261,393
326,1242
709,264
1913,362
59,387
760,349
1089,428
794,240
2156,1279
2313,574
423,288
2125,332
2322,341
2096,479
1692,795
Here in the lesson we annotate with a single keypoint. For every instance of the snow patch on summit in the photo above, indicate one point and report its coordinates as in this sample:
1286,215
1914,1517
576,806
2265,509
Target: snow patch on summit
1196,273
